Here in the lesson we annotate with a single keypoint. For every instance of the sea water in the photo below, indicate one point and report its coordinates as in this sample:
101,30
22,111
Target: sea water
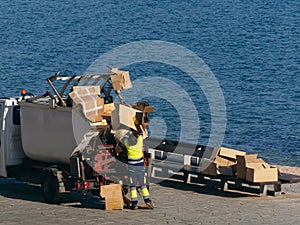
251,47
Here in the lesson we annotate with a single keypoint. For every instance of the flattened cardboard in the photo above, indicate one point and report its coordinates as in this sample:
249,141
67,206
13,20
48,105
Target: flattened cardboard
90,101
87,90
94,110
230,153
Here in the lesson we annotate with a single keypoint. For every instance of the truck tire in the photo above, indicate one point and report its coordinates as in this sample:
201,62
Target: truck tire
50,189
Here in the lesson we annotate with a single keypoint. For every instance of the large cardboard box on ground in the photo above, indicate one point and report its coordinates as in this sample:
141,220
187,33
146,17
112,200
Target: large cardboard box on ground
113,196
258,174
89,100
255,169
218,166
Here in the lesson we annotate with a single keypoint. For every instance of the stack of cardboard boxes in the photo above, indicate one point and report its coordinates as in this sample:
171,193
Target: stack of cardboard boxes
230,162
87,101
224,163
255,169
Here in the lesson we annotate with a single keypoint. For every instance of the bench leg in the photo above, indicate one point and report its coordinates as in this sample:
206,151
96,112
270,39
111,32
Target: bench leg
186,178
263,189
154,169
224,185
277,190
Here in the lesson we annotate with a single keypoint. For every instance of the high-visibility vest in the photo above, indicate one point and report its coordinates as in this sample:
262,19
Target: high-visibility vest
135,152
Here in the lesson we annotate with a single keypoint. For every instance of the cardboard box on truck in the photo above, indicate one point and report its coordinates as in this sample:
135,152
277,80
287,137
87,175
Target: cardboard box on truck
120,79
124,115
131,118
91,103
108,108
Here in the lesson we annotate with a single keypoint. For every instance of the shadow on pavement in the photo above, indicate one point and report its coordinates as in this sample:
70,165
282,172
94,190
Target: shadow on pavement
13,189
10,188
209,188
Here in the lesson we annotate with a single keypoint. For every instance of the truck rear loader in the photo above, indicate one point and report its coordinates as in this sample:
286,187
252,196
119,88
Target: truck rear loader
67,141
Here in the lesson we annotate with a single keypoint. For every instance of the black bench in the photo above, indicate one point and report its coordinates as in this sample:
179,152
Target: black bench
160,160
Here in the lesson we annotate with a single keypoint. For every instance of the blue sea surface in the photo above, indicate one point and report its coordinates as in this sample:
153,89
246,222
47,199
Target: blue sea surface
252,47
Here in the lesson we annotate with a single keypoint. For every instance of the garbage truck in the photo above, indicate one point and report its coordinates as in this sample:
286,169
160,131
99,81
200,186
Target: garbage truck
70,138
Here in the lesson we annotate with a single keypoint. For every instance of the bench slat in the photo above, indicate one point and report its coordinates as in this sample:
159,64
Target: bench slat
289,178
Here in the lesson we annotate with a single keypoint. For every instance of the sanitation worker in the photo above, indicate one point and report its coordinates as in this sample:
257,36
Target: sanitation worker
134,145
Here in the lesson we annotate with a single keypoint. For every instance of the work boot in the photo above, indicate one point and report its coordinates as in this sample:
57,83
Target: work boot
134,207
149,205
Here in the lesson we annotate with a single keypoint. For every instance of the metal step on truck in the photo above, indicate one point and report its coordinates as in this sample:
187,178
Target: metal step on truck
70,139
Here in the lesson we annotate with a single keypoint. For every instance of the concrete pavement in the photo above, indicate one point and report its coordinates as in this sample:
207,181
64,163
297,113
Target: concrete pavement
176,203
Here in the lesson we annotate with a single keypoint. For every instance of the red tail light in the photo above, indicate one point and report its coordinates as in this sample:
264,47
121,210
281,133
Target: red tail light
87,185
78,185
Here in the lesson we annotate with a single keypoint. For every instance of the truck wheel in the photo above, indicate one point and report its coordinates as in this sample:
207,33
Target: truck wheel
50,188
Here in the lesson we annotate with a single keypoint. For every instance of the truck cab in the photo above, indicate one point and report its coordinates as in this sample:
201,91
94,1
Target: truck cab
11,152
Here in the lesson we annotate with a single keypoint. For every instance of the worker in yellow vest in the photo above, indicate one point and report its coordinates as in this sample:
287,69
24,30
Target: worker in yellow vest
134,145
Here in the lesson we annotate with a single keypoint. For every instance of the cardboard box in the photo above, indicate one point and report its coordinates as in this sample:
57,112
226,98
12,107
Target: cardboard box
258,163
108,108
113,196
214,169
208,167
87,90
218,166
251,162
93,109
120,79
230,153
242,161
124,115
224,162
91,103
258,174
130,117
